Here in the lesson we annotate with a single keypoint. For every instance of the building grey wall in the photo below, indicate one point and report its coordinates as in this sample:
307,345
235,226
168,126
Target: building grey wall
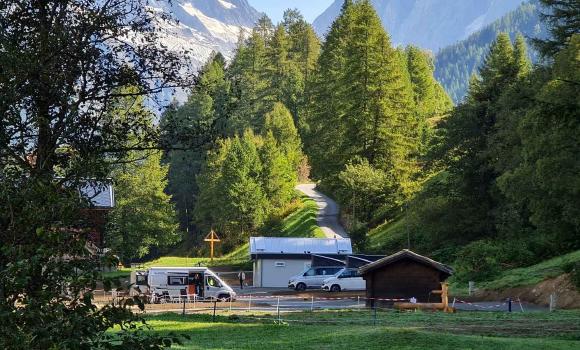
268,274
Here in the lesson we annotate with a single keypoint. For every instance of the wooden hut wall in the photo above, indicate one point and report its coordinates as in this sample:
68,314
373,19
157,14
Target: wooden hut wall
404,279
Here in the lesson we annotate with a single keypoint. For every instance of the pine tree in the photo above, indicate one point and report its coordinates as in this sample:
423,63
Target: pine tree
280,123
279,175
251,95
143,217
430,98
232,196
469,134
521,57
190,131
327,105
542,179
561,17
362,101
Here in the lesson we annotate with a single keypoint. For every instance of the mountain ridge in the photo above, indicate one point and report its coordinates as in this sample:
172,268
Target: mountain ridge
429,24
456,63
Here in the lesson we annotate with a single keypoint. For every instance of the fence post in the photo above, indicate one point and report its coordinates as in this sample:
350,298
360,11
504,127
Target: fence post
214,307
509,304
358,301
183,311
521,306
278,310
231,303
194,299
553,301
250,303
471,287
312,304
374,313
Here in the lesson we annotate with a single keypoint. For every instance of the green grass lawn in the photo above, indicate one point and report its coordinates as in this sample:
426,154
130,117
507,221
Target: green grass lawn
302,222
390,231
355,330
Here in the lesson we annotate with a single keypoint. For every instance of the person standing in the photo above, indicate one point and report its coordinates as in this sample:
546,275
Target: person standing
242,278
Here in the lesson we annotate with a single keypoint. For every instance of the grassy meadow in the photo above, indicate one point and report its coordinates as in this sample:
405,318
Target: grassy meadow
356,330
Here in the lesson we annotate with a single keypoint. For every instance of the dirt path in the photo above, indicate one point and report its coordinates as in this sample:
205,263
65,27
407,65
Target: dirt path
328,210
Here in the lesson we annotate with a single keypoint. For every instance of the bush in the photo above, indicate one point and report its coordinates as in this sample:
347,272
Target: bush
478,261
359,238
573,268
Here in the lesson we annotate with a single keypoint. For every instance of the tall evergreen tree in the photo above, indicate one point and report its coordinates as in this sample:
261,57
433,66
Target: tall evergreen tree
363,102
431,100
280,123
543,179
468,134
143,218
190,131
561,17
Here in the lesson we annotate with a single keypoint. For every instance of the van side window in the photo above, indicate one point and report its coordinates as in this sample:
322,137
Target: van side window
141,280
176,280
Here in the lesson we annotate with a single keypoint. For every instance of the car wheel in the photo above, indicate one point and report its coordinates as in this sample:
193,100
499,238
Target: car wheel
223,297
335,288
300,287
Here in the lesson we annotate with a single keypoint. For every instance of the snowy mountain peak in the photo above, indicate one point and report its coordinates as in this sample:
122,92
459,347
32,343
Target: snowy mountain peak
204,26
201,28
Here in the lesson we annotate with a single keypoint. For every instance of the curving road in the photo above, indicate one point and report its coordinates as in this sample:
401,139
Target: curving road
328,210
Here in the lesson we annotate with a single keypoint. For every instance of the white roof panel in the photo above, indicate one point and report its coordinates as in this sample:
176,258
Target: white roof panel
279,245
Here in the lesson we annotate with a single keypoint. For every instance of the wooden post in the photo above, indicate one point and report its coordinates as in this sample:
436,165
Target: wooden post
212,237
445,296
214,307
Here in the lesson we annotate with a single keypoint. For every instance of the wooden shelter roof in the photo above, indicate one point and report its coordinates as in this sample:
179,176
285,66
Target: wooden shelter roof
405,254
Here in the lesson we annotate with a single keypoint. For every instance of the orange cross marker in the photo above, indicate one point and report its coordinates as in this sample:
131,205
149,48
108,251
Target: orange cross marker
211,238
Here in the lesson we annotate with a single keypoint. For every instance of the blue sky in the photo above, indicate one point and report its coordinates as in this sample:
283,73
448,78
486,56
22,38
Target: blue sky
275,8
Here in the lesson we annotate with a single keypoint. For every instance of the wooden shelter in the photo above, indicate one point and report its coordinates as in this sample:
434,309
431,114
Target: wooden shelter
404,275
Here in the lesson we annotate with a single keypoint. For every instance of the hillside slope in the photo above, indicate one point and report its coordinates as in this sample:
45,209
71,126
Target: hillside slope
455,64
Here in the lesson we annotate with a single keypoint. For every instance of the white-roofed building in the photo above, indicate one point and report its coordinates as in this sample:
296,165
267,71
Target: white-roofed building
276,259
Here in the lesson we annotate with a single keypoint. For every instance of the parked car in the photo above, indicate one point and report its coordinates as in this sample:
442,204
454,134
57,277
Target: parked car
347,279
168,283
313,277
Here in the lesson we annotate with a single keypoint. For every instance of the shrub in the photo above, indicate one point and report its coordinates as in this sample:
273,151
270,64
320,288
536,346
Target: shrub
478,261
573,268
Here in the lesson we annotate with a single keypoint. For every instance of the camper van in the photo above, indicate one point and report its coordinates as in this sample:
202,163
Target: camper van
170,283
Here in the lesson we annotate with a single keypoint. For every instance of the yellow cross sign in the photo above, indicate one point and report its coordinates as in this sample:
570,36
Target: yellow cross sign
211,238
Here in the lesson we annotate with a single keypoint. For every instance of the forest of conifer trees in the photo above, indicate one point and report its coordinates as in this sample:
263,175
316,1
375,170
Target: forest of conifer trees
492,181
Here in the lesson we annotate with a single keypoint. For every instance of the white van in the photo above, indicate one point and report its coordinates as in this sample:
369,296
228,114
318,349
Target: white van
313,277
347,279
170,283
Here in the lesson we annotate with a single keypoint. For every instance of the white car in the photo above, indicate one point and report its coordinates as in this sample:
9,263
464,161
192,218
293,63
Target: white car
313,277
348,279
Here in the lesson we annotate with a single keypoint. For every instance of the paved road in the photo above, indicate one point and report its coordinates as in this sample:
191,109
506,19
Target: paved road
327,212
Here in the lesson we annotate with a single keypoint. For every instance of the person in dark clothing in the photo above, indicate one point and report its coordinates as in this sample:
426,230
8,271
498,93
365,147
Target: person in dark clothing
242,278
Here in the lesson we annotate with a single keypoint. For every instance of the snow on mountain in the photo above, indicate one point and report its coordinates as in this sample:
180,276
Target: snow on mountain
201,28
430,24
205,26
